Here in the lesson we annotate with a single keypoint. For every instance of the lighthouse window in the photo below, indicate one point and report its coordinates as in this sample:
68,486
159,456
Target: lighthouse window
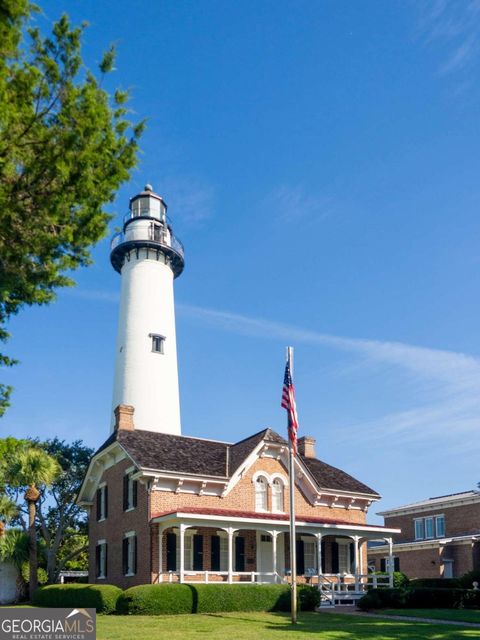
157,343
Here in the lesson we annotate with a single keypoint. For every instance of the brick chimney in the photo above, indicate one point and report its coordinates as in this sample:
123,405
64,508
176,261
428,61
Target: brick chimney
306,446
124,417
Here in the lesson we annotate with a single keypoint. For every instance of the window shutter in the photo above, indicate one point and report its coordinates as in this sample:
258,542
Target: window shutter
335,557
383,564
239,553
134,554
125,556
125,492
135,488
171,552
300,558
106,559
352,558
97,560
323,556
197,552
396,564
105,515
99,503
215,553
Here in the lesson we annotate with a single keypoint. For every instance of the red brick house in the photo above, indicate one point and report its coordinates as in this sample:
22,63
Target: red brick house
166,507
439,538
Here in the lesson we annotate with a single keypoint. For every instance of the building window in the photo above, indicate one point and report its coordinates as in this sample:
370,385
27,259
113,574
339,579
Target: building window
158,343
419,529
344,556
102,502
129,554
277,495
310,556
129,492
261,494
429,528
440,526
101,559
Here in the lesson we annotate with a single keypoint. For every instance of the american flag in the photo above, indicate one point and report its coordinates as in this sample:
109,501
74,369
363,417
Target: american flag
288,403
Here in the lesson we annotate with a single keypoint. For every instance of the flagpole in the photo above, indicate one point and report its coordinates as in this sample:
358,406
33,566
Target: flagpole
293,544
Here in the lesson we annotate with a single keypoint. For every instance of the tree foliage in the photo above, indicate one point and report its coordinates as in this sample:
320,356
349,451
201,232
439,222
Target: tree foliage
66,146
60,523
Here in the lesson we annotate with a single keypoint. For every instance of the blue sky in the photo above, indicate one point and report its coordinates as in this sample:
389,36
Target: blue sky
320,162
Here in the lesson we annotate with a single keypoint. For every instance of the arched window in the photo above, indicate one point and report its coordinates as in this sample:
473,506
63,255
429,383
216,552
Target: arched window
261,494
277,495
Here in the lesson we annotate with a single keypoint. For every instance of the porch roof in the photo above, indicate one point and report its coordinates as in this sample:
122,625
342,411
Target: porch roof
230,515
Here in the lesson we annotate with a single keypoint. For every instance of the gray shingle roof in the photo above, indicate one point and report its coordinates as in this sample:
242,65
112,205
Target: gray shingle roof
195,456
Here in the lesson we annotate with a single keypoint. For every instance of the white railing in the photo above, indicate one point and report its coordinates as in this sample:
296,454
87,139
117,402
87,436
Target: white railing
204,577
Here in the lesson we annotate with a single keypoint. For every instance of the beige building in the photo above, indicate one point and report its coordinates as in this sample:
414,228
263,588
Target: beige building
440,537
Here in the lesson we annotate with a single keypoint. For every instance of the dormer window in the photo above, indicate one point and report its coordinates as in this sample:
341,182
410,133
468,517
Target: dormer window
158,343
261,487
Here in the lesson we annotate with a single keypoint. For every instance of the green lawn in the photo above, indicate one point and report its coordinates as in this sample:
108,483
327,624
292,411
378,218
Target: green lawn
460,615
260,626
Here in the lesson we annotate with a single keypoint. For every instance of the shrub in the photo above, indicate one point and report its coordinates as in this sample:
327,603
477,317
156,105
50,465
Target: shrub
466,581
435,583
424,598
382,599
156,599
102,597
161,599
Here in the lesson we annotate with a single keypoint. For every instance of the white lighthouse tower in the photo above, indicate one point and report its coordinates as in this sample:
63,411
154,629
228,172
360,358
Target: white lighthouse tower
148,257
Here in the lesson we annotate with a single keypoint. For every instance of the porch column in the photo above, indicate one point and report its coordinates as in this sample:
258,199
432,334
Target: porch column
390,562
318,536
160,554
183,527
356,561
230,533
274,554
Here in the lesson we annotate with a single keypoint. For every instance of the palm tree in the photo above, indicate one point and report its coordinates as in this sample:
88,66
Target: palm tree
8,510
33,468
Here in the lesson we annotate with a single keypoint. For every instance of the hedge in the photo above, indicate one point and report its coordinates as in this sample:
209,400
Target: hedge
436,583
102,597
420,598
466,581
159,599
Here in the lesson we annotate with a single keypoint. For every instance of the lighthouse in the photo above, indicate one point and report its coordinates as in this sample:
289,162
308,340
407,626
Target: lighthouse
148,257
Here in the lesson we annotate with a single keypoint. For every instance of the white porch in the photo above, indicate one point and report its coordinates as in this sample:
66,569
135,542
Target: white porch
256,550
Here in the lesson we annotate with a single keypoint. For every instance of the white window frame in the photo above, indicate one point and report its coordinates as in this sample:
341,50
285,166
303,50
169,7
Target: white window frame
310,553
419,522
344,548
278,496
130,553
441,518
431,523
261,495
102,560
130,505
102,487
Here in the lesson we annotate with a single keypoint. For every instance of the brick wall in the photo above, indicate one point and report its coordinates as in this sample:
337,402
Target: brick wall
115,526
242,498
459,520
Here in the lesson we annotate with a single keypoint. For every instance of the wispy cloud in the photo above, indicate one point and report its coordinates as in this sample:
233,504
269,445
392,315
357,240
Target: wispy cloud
294,203
447,403
455,25
449,381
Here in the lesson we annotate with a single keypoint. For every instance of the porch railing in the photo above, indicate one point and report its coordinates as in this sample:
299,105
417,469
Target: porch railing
204,577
